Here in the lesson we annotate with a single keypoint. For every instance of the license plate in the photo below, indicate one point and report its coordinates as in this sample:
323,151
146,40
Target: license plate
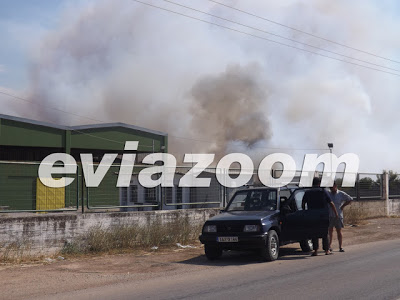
227,239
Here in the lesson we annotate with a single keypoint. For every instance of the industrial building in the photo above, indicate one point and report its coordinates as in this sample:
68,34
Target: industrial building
29,140
24,143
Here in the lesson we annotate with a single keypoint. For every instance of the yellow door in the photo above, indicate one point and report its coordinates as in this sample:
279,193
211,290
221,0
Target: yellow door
48,198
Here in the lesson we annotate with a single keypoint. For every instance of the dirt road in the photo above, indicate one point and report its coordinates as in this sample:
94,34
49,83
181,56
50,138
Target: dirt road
175,269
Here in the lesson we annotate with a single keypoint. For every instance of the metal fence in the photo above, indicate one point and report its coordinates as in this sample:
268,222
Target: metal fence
107,194
394,185
180,197
369,186
21,190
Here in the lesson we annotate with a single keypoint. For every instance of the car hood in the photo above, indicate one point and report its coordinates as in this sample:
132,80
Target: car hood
242,215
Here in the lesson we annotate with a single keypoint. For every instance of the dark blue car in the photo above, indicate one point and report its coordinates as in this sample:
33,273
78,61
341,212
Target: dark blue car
263,219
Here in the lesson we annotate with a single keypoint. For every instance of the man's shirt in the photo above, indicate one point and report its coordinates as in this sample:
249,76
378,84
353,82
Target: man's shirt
316,198
338,199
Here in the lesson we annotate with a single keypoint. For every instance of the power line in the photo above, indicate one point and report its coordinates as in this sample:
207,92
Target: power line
280,36
266,39
304,32
48,107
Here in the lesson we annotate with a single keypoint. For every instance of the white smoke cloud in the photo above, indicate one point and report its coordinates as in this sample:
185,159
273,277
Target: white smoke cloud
13,108
123,61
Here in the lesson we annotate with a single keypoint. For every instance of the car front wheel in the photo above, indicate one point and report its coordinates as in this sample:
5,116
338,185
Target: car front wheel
212,252
270,251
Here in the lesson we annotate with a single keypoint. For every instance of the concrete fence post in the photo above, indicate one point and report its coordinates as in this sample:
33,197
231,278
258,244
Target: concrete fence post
385,196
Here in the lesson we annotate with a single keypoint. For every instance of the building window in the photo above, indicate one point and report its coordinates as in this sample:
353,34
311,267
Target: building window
134,194
179,195
124,196
150,195
193,195
168,195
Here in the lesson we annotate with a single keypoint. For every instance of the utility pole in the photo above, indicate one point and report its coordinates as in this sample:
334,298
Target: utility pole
330,146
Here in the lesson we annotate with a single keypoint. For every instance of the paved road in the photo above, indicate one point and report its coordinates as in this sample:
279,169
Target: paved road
369,271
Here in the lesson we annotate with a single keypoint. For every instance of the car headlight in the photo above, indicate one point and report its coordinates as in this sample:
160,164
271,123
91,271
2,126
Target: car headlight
251,228
210,228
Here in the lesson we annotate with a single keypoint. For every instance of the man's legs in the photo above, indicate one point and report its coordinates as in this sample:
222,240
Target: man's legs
325,243
315,246
339,236
330,236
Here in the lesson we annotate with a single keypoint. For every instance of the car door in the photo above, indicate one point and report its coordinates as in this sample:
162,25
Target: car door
298,224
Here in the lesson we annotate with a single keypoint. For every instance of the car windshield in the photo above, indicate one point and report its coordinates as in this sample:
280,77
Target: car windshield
253,200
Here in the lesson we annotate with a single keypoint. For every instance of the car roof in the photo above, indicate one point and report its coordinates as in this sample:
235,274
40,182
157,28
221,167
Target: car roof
251,188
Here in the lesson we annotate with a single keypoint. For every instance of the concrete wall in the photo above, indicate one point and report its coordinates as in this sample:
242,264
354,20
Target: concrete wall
49,232
394,207
366,209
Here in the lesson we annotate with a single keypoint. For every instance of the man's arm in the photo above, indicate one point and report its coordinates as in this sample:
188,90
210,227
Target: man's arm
330,202
347,201
334,209
345,204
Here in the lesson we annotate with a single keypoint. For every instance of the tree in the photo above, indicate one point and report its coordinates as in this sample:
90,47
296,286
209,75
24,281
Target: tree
394,182
366,183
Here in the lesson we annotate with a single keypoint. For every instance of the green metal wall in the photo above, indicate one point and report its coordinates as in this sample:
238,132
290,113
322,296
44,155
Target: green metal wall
114,138
13,133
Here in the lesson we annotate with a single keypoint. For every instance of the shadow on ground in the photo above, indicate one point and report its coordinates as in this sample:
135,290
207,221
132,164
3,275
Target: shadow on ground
238,258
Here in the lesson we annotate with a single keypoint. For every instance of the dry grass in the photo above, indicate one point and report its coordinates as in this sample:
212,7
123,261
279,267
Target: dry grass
353,215
358,212
17,251
132,237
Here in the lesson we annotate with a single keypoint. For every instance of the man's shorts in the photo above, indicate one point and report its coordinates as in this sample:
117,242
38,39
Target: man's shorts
335,222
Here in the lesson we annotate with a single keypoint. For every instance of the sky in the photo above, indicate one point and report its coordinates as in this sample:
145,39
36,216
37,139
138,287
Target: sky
22,24
210,88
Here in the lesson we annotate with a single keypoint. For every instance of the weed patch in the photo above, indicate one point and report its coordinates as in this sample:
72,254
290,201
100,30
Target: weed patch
127,236
16,251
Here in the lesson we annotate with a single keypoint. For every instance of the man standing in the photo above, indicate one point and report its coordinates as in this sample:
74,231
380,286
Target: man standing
341,200
318,198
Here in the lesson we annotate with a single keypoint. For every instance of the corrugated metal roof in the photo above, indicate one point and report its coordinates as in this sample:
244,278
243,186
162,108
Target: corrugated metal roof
81,127
34,122
108,125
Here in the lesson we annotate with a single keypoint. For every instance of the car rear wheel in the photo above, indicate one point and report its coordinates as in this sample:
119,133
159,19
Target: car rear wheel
270,251
306,245
212,252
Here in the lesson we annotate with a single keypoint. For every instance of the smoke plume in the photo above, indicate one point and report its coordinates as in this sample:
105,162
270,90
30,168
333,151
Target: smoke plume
229,107
216,90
